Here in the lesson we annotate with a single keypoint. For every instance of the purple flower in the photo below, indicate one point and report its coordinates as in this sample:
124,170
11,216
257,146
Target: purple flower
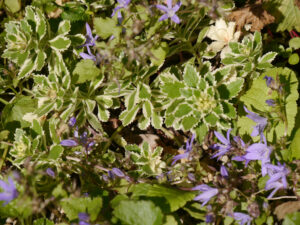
261,123
242,218
83,219
208,193
271,102
69,143
277,178
188,149
223,148
9,191
115,172
269,80
50,172
259,151
209,218
170,11
224,171
96,58
239,141
90,40
122,4
72,121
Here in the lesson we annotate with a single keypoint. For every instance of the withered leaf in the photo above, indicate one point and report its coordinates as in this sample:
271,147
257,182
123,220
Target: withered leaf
286,208
253,14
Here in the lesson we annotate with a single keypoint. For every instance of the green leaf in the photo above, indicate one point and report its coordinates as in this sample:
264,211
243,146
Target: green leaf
189,122
41,27
26,69
86,70
55,152
292,219
147,109
145,92
156,120
231,89
294,59
172,89
295,145
138,213
190,76
64,27
103,114
43,221
13,5
105,27
175,197
295,43
268,57
257,95
40,60
182,110
211,119
287,16
127,117
229,110
73,206
60,43
159,53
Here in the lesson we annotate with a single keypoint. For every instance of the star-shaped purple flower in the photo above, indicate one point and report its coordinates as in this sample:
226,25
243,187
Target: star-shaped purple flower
224,147
188,149
9,191
90,40
277,178
170,11
208,193
84,219
122,5
258,129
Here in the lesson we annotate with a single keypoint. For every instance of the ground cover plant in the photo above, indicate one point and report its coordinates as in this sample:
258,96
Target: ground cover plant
158,112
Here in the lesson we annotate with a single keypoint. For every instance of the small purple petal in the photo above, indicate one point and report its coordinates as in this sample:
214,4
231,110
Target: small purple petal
269,80
117,172
69,143
163,8
175,19
271,102
72,121
224,171
50,172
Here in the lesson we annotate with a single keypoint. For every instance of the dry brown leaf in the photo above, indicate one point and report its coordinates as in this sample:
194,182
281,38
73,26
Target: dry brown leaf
253,14
286,208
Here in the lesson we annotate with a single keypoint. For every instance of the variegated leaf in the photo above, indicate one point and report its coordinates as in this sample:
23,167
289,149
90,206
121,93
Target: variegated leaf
64,27
128,116
60,43
103,114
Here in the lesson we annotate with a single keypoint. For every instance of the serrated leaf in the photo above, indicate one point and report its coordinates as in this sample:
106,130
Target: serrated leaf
175,197
190,76
156,120
26,69
86,70
94,121
41,58
138,213
64,27
189,122
182,110
127,117
172,89
147,109
103,114
211,119
295,145
105,27
60,43
41,27
144,122
267,58
231,89
257,95
159,53
145,92
55,152
288,16
229,110
37,127
169,120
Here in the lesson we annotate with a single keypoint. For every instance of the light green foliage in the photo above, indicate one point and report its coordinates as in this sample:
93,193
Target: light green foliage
292,219
73,206
247,56
295,145
256,96
199,98
86,70
288,15
107,27
175,197
146,159
42,221
28,41
138,213
13,5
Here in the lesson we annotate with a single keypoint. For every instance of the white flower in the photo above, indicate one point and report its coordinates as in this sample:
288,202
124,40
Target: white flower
222,34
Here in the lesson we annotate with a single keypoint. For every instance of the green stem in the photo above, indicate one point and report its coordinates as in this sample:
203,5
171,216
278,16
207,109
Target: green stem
4,101
108,143
3,156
